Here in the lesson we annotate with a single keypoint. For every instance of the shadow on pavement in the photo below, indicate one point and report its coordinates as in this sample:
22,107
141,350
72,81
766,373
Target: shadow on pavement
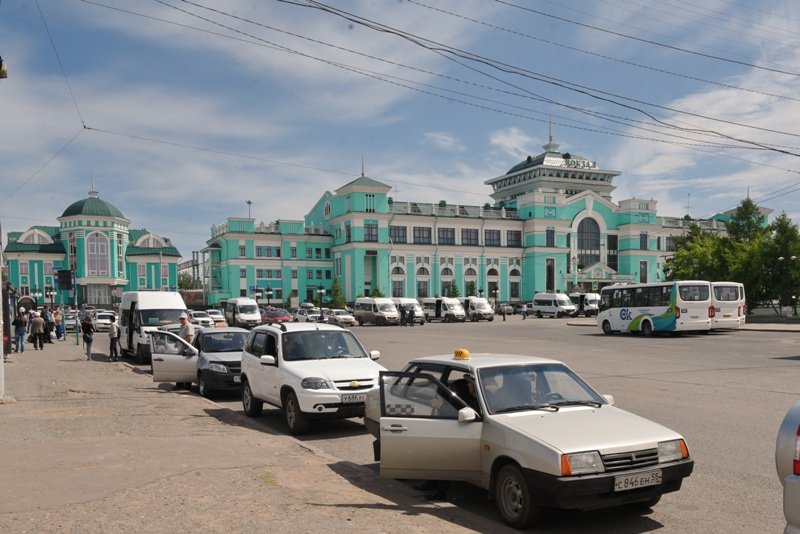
468,506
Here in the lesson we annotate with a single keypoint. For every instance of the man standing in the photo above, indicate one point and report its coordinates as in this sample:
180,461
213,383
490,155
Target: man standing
20,324
524,311
57,320
187,329
113,340
37,331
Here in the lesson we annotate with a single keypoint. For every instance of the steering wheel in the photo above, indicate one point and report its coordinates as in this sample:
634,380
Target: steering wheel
553,397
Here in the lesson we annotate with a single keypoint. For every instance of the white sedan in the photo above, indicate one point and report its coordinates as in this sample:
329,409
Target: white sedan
527,429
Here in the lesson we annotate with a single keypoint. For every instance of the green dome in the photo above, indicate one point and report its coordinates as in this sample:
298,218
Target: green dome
92,206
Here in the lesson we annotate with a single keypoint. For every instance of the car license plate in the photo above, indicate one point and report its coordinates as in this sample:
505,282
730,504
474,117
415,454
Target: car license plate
237,379
639,480
354,397
726,316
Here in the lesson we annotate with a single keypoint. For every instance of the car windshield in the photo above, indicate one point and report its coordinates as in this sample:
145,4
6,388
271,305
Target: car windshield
223,341
160,317
481,306
104,316
199,314
248,308
563,300
214,313
340,312
321,345
534,387
387,307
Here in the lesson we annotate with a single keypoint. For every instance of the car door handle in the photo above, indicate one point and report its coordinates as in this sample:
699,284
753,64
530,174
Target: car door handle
395,428
158,359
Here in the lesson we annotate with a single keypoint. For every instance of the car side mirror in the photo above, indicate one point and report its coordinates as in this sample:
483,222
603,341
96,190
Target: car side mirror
189,351
267,359
467,415
609,399
374,354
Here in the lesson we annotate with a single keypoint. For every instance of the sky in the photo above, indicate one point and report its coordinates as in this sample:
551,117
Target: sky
182,111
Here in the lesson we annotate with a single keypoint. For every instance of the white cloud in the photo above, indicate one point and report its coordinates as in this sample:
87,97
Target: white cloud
444,141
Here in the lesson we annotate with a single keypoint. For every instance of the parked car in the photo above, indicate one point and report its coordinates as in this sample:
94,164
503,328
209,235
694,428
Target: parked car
503,306
310,371
340,317
787,464
212,360
276,315
102,321
218,317
219,359
528,429
553,304
201,318
307,315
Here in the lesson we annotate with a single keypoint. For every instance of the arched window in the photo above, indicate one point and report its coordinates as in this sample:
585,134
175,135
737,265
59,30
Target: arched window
588,243
398,270
423,271
447,271
470,272
514,272
97,260
491,272
150,241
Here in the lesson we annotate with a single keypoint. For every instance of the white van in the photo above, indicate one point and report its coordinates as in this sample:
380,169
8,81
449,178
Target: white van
728,300
242,312
478,308
586,304
553,304
447,309
377,310
409,303
141,312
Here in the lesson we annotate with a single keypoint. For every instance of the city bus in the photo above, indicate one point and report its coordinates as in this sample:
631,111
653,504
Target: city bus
679,306
729,305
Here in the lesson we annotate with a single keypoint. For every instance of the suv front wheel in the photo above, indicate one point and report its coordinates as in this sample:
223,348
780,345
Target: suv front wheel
296,420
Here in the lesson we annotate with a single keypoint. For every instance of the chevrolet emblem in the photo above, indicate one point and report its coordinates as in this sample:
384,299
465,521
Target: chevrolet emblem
355,384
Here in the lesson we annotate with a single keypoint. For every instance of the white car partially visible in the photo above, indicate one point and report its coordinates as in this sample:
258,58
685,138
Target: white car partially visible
787,464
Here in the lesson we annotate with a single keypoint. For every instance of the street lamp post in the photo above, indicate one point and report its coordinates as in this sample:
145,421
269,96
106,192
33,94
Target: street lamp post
36,296
51,294
495,291
321,293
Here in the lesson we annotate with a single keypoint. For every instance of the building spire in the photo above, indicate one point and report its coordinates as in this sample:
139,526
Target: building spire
93,193
362,165
550,146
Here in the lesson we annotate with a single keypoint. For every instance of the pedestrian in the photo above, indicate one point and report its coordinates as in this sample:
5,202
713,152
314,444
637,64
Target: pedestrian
20,324
37,331
503,311
58,320
410,316
49,324
402,315
113,340
87,327
524,311
187,329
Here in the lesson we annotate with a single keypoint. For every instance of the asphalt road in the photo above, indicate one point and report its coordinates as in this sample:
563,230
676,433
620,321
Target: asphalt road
725,392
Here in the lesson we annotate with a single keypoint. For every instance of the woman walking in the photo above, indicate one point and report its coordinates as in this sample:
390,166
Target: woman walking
87,327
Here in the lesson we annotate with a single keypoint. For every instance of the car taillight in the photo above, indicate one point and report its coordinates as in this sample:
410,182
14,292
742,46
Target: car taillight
711,312
739,311
796,463
677,312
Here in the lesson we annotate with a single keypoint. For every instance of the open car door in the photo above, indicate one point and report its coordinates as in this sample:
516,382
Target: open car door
174,360
426,433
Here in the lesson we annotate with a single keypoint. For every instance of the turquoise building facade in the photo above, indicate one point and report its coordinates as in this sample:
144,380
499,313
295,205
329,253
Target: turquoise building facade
552,226
105,257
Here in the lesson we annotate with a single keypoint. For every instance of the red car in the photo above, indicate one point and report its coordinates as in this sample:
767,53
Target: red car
275,315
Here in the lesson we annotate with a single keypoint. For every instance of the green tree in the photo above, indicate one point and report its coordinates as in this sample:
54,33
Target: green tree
453,290
471,289
377,293
185,281
335,294
747,222
699,256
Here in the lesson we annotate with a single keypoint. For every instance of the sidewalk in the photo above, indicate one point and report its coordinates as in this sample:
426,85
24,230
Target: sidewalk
98,447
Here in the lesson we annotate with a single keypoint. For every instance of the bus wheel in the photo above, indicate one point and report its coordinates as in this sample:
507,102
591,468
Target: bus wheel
607,328
647,328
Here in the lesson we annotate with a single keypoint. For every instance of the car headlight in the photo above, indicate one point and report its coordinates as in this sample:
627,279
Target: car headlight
581,463
315,383
671,451
217,367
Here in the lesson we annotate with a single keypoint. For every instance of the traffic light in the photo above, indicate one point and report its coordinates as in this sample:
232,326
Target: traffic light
65,280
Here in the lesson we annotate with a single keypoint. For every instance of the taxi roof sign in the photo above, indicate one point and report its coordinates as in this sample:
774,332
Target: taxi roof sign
461,354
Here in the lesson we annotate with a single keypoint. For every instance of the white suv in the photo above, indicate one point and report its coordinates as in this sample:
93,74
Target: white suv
309,370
